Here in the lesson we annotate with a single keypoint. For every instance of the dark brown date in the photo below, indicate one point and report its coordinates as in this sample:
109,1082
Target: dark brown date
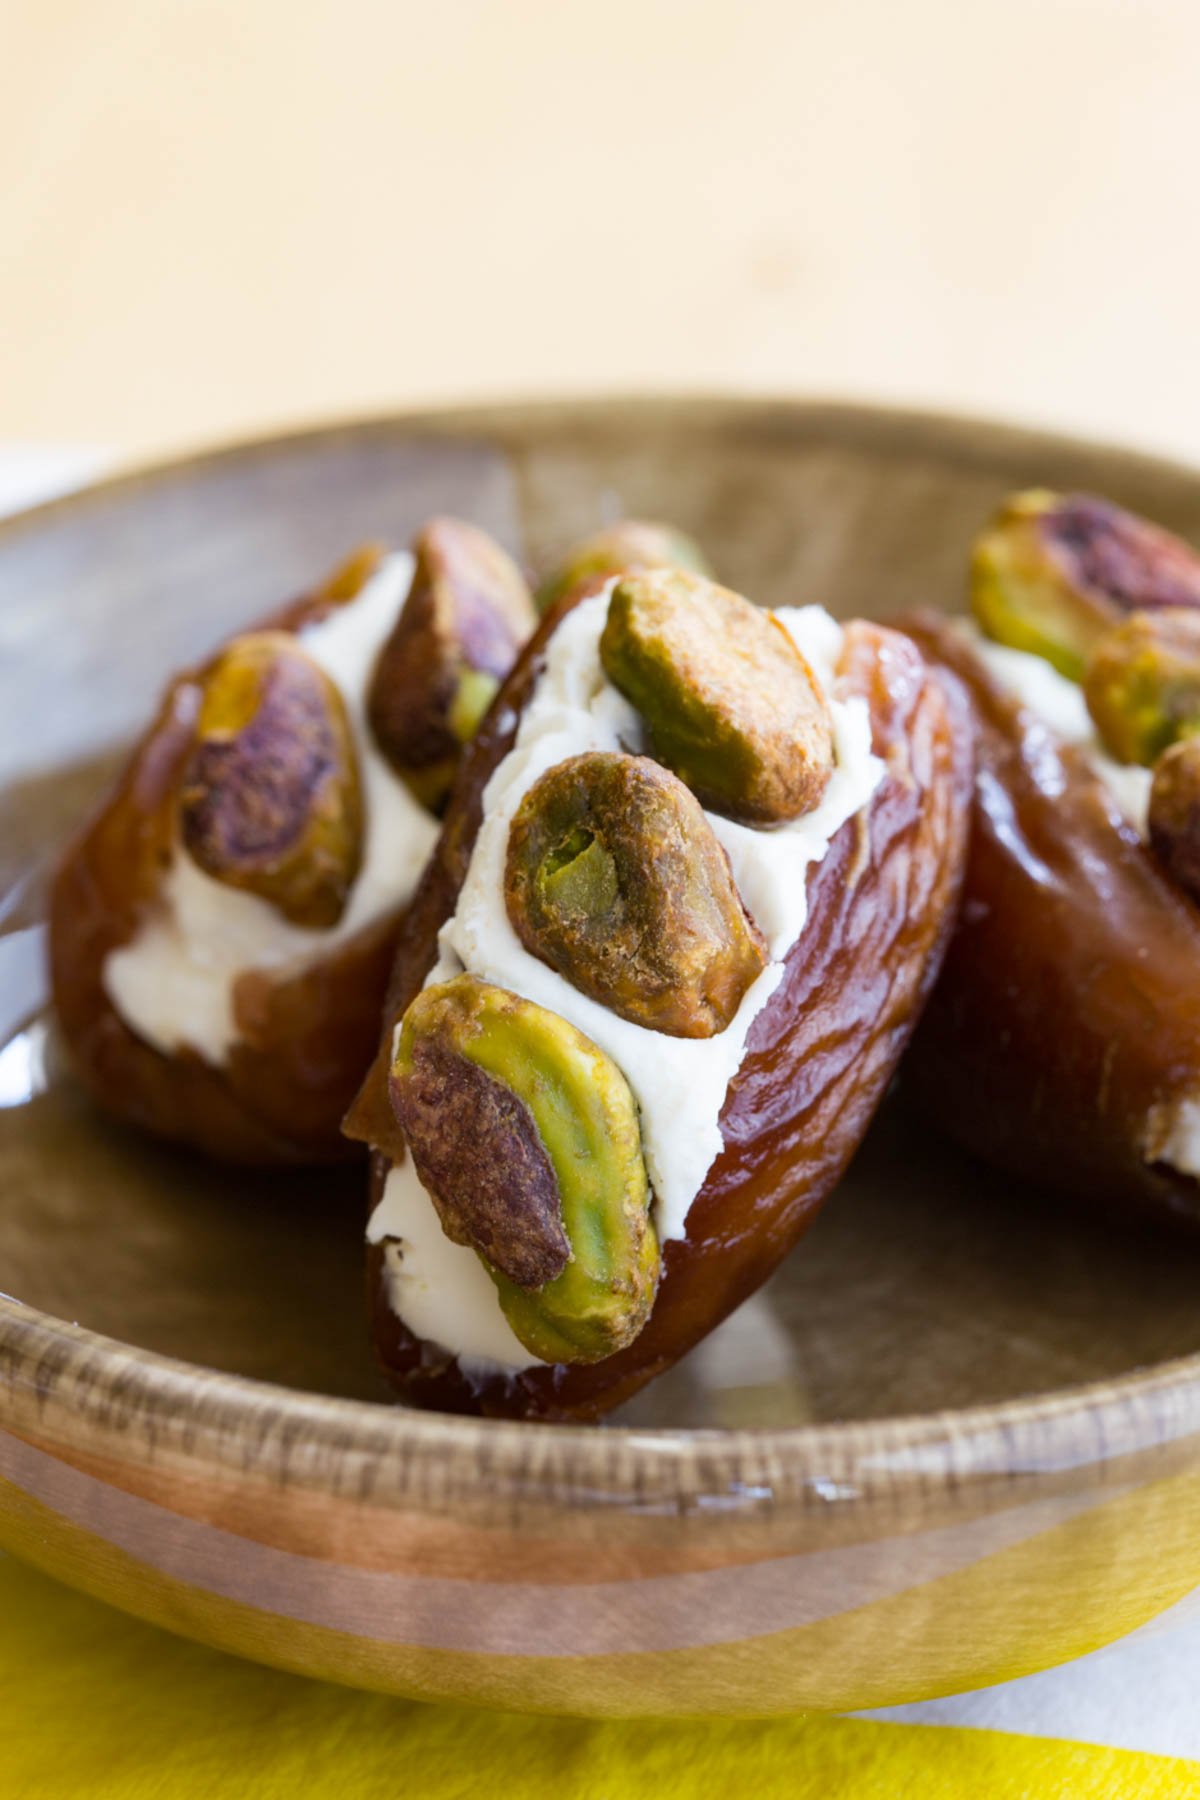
304,1039
1062,1038
820,1054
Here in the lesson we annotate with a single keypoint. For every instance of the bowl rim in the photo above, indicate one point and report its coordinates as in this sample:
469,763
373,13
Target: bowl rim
68,1371
720,406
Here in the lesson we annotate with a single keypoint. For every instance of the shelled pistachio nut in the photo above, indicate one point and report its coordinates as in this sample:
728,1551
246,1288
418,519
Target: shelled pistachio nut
350,577
467,614
728,701
1142,684
270,799
1175,814
1053,573
526,1137
620,549
615,878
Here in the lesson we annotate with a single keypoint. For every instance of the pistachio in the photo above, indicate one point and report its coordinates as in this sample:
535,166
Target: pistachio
615,878
729,702
467,614
270,799
526,1137
1175,814
1142,684
350,577
621,549
1053,573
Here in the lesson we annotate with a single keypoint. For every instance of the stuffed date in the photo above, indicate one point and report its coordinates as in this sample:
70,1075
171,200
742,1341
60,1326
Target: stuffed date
221,930
1062,1042
631,1043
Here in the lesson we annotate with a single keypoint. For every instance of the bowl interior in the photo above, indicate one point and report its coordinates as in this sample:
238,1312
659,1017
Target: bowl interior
929,1283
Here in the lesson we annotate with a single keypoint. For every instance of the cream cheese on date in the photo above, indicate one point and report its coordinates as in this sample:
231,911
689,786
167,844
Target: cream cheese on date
1061,707
1174,1136
174,983
679,1083
439,1288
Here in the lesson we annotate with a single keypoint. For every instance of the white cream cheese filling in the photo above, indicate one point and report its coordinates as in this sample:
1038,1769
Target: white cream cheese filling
173,983
679,1083
439,1288
1174,1136
1061,707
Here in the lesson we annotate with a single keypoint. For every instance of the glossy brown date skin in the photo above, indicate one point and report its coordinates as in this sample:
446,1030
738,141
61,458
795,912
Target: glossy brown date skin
1067,1018
305,1040
820,1053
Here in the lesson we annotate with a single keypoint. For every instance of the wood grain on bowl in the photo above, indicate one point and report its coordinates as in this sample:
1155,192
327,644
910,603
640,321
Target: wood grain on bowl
958,1438
592,1572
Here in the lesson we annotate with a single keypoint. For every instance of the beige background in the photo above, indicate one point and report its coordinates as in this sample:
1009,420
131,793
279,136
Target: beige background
217,215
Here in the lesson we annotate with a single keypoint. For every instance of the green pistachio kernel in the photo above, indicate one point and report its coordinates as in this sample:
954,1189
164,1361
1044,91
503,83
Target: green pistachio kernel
728,701
615,878
1142,684
1175,814
1053,573
526,1136
467,614
621,549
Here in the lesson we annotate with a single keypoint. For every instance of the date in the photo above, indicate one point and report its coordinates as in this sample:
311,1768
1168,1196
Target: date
1061,1042
820,1054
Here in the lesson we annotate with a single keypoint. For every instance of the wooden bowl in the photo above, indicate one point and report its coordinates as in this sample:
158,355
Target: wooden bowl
956,1439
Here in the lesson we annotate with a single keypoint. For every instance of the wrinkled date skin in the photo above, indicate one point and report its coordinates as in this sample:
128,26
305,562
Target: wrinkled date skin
820,1054
1066,1024
305,1039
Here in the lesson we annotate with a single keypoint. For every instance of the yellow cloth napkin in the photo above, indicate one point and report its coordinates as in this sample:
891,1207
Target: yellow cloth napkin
98,1706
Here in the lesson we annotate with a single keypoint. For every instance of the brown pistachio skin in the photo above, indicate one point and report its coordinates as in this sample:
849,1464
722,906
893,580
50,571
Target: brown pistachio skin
1175,815
615,878
476,1145
271,797
728,701
620,549
304,1039
467,614
820,1055
1064,1025
1119,558
1052,573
